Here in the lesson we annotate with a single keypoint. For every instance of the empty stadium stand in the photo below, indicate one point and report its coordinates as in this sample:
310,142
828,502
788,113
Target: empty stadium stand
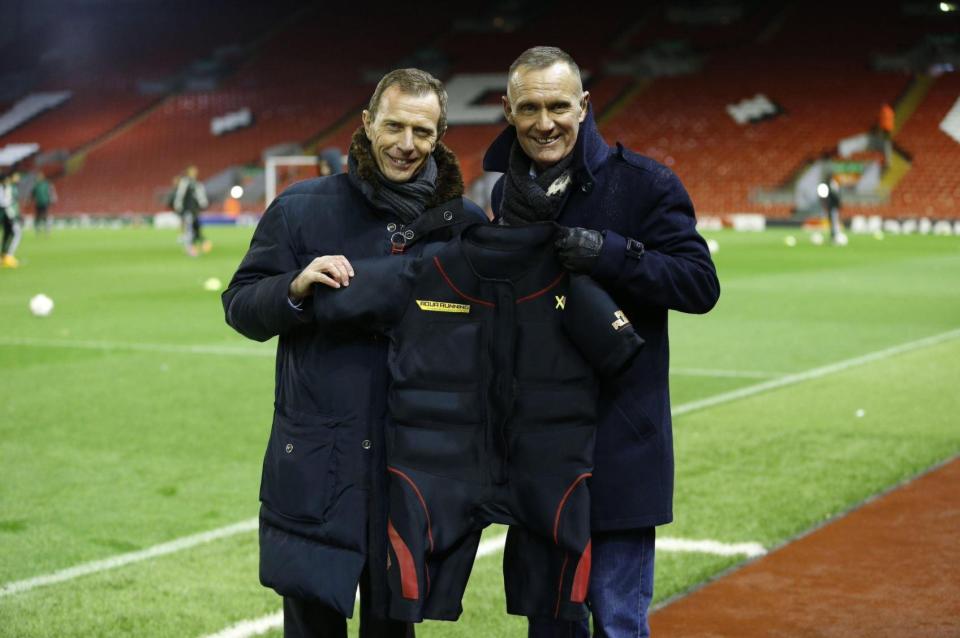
295,84
661,76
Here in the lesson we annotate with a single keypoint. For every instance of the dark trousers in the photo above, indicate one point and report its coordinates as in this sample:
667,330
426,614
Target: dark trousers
196,230
8,232
621,588
41,222
308,619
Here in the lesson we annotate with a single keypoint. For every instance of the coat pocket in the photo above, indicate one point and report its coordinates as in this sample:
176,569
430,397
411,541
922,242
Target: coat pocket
300,469
628,408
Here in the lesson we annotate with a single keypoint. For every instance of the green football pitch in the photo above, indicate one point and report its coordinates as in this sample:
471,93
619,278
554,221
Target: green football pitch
133,423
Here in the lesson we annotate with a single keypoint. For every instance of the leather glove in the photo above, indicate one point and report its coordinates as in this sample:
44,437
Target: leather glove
578,248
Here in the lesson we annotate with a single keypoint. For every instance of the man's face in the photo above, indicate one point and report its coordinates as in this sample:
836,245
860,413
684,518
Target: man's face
403,133
546,106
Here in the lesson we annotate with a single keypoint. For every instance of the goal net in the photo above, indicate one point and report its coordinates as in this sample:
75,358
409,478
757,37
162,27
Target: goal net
284,170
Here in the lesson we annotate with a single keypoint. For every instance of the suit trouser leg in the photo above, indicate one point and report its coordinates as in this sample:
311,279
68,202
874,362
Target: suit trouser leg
308,619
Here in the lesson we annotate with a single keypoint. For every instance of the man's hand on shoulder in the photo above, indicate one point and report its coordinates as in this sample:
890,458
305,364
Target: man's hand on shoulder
330,270
578,248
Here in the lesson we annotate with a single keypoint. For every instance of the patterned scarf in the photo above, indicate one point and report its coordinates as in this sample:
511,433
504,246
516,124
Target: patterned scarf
528,199
406,200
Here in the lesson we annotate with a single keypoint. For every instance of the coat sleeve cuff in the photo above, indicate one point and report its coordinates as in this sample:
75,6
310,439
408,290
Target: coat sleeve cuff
302,312
612,255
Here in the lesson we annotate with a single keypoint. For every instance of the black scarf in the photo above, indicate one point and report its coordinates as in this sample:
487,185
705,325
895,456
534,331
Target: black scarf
407,200
529,199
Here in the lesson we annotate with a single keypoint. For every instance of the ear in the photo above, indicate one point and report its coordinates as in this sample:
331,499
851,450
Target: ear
367,123
507,111
584,103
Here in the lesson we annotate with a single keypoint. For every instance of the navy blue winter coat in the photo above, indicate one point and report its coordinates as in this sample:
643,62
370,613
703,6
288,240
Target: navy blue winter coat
629,196
330,387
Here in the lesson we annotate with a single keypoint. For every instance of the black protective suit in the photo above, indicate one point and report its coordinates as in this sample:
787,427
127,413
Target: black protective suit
493,359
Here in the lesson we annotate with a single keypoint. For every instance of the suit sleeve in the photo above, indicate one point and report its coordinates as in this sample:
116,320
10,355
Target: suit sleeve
600,330
674,269
376,298
255,302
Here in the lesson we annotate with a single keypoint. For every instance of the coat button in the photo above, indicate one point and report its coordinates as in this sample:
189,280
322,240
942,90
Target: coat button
447,215
587,187
391,227
289,448
408,234
366,444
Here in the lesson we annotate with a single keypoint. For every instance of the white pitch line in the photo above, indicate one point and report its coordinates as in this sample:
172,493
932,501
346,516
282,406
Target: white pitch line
120,560
492,545
139,347
710,547
815,373
254,627
710,372
260,626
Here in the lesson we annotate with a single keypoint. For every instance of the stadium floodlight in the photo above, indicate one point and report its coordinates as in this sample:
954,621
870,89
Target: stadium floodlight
236,192
947,7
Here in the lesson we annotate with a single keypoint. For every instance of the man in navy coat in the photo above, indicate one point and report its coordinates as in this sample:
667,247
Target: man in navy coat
322,473
628,222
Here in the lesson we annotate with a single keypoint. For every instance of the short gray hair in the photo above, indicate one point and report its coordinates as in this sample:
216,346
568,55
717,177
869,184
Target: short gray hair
412,82
542,58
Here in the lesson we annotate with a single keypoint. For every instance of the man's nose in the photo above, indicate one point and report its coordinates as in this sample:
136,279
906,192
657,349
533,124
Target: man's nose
406,141
544,123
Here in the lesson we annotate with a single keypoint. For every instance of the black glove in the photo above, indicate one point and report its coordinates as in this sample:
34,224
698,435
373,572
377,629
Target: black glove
578,248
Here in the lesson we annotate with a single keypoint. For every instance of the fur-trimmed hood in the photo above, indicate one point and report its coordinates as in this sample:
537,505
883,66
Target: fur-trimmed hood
449,177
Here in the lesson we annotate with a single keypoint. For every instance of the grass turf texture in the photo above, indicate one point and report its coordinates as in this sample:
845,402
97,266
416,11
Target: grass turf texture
106,450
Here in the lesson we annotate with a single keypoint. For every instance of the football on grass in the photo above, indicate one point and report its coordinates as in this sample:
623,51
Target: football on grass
41,305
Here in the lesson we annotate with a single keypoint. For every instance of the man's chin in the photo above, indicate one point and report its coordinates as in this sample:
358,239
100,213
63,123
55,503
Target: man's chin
546,160
399,175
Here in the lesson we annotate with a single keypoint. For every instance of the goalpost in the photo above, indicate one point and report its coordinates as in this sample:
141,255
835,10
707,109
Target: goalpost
280,171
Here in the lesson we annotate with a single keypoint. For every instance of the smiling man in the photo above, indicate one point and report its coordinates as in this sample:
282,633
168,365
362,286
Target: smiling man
323,473
626,221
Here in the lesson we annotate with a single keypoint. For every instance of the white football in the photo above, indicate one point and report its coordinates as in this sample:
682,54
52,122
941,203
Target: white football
841,239
816,238
790,241
212,284
41,305
713,245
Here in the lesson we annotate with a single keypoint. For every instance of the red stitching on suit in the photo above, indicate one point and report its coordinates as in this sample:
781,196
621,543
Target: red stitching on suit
423,503
436,261
545,290
563,501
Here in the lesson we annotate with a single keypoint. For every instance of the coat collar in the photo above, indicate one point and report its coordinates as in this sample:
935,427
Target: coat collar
589,152
449,177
